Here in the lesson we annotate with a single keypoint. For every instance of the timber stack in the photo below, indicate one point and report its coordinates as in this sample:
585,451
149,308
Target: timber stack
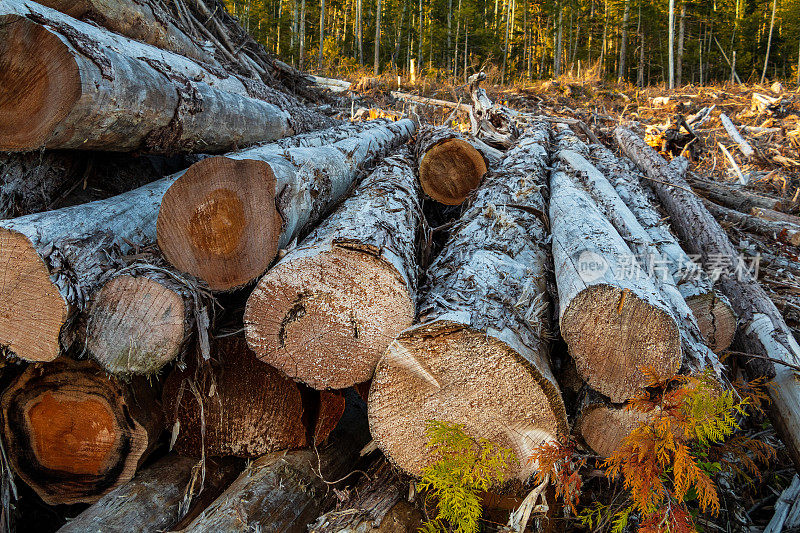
265,301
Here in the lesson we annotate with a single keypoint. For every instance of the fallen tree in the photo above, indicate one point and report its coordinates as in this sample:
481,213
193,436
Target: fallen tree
73,434
479,356
327,311
224,220
449,166
763,331
614,320
104,91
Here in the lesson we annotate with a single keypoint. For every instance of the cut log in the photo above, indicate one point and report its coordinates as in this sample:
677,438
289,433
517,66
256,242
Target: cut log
777,231
449,166
284,491
233,405
775,216
376,505
734,197
224,220
735,136
73,433
56,260
571,150
712,310
140,20
480,355
429,101
156,498
763,330
612,317
602,425
142,318
69,84
328,310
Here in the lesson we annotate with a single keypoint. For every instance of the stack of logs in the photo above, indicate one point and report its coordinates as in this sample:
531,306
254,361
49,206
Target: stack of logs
287,302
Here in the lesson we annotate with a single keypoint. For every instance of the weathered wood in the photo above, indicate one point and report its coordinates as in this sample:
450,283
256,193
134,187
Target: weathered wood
376,505
57,259
434,102
778,231
763,330
233,405
69,84
732,196
614,320
479,357
775,216
712,310
328,310
156,498
224,220
73,434
284,491
449,166
141,20
492,123
735,136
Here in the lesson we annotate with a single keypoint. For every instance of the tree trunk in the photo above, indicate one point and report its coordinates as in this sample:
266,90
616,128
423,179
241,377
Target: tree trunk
327,311
623,45
285,490
156,498
73,434
763,330
302,52
602,425
143,21
376,69
377,506
229,238
321,33
450,167
479,357
715,318
733,196
734,134
360,32
777,231
449,33
233,404
58,258
769,40
105,91
671,45
681,35
612,317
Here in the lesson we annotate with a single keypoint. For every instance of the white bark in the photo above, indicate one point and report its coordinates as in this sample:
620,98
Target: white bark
734,134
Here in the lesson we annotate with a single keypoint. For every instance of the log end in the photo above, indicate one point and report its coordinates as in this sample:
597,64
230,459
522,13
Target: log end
70,432
219,221
447,372
604,427
39,83
715,318
615,336
326,318
135,326
32,310
450,170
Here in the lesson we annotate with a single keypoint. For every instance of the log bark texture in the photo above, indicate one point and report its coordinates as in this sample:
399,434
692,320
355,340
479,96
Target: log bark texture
155,499
73,433
233,405
327,311
224,220
715,317
778,231
732,196
75,85
284,491
57,259
450,167
614,320
480,355
762,330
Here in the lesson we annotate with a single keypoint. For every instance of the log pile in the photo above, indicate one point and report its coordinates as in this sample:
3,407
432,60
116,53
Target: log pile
222,306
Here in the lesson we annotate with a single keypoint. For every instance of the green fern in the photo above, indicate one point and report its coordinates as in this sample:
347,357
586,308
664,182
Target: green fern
464,468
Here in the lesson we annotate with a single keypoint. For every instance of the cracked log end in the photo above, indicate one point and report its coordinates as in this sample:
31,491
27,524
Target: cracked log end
444,371
70,432
614,335
715,318
219,222
249,408
39,83
32,310
136,325
450,170
603,427
326,318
